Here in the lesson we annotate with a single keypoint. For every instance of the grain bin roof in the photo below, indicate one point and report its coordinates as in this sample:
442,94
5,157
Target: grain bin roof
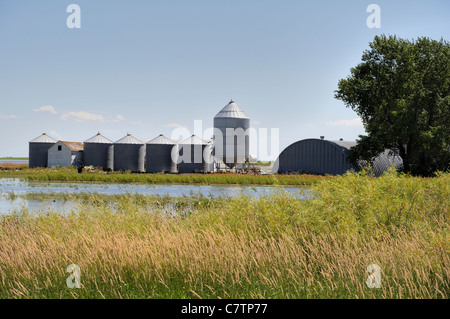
73,146
98,139
44,138
161,139
232,110
128,139
193,140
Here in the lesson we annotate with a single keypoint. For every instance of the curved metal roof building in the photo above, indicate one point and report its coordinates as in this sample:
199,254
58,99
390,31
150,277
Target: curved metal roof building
38,150
320,156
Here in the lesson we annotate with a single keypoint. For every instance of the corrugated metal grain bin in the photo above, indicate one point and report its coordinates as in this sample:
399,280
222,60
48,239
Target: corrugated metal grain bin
383,162
38,150
191,155
129,154
231,135
159,155
99,152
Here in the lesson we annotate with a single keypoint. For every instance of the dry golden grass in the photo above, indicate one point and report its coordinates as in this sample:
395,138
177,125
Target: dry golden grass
12,166
245,248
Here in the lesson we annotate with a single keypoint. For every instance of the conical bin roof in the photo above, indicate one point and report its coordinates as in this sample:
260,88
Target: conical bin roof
161,139
44,138
232,110
99,139
129,139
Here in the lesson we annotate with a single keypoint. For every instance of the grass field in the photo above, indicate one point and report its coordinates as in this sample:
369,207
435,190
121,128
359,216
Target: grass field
70,174
273,247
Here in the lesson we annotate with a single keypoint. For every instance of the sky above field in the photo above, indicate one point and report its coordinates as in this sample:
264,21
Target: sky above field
149,67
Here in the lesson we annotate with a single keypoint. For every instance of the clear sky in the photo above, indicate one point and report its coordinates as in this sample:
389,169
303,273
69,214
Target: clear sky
147,67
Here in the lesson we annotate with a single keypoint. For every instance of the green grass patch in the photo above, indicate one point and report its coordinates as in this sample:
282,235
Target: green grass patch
70,174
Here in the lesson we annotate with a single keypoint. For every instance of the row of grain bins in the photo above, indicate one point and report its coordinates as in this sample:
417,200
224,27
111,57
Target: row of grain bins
160,154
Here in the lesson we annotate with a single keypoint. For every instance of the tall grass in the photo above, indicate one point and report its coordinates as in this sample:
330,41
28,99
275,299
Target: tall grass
274,247
70,174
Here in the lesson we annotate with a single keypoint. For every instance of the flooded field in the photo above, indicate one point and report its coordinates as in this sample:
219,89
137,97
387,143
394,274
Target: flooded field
12,190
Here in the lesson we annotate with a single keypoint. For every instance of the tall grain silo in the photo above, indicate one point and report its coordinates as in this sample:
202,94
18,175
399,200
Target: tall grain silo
37,150
129,154
99,152
191,155
231,135
159,155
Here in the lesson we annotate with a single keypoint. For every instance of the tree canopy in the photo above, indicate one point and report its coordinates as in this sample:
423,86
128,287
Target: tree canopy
401,91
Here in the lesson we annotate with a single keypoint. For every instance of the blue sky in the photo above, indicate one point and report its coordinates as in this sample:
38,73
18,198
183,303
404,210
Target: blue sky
147,67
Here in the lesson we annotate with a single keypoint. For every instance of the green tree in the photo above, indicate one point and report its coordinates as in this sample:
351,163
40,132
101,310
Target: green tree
401,91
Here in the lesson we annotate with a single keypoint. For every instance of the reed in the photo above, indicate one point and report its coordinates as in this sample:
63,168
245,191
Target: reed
276,246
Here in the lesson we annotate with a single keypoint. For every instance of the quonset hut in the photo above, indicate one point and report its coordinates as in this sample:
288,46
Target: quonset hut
315,156
129,154
38,150
159,155
231,135
192,157
320,156
99,152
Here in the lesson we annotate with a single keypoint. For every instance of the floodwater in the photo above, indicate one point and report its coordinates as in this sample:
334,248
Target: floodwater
13,161
12,188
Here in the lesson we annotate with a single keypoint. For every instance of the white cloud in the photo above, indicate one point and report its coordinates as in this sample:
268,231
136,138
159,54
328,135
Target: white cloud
46,108
116,119
175,125
7,117
83,116
353,122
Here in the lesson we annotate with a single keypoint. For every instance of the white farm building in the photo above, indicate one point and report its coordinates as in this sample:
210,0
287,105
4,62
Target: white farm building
64,153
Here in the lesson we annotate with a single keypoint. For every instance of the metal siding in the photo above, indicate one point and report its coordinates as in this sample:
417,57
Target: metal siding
193,164
241,150
38,154
159,158
129,157
314,156
98,155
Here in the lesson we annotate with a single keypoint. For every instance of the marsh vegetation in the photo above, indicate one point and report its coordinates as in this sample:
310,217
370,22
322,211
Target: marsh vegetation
276,246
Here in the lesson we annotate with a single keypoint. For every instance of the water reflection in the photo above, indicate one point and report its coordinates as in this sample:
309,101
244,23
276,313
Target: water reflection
12,187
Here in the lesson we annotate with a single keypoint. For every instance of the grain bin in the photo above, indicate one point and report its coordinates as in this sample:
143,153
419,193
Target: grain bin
99,152
129,154
191,155
38,150
159,155
231,135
